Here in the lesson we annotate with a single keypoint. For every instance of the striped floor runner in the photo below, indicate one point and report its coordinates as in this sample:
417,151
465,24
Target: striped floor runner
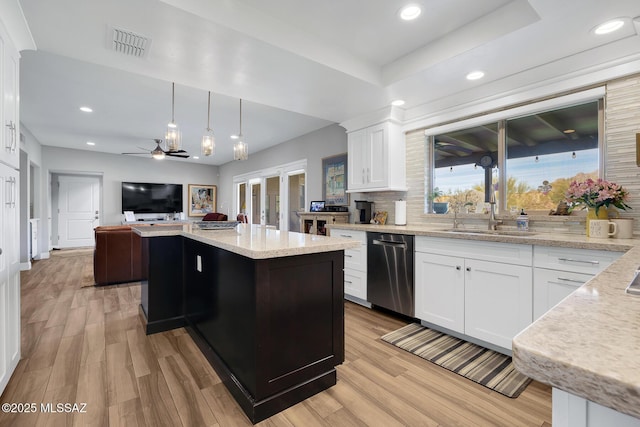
487,367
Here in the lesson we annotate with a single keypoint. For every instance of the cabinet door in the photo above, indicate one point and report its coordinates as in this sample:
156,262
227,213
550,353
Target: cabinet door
552,286
376,167
355,283
356,142
10,122
439,290
498,301
9,275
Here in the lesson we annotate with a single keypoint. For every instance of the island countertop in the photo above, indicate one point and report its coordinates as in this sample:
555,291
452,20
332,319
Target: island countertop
252,241
588,344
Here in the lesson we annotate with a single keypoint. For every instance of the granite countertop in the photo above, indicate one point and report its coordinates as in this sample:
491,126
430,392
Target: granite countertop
254,241
588,344
565,240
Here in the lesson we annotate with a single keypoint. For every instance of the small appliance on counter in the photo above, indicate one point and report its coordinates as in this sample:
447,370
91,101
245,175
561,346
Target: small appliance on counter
364,211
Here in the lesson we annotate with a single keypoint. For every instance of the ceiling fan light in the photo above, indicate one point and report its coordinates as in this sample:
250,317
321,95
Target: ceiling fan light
157,154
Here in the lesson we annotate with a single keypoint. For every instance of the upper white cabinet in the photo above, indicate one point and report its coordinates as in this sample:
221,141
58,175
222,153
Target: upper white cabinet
377,159
10,139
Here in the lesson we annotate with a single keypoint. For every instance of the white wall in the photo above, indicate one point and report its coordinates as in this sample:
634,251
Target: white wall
325,142
115,168
30,190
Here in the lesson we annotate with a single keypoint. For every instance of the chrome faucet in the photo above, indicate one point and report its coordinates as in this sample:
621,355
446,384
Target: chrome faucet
493,222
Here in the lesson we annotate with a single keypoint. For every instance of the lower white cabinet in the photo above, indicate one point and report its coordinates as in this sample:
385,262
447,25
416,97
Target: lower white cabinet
9,274
355,263
485,292
560,271
552,286
439,290
497,300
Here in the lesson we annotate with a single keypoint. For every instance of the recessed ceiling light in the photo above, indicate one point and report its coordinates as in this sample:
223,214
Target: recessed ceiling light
569,130
86,109
410,12
91,143
475,75
234,136
196,157
609,26
397,102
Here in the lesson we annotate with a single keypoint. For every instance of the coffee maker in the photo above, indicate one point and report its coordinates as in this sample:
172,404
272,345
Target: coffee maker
364,211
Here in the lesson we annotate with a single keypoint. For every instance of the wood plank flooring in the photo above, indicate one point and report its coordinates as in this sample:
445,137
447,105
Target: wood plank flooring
86,345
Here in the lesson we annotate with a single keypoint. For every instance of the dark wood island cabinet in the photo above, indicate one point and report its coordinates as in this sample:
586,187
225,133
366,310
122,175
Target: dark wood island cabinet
267,313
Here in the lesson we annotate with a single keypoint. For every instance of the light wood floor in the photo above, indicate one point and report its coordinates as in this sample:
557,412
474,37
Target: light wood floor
86,345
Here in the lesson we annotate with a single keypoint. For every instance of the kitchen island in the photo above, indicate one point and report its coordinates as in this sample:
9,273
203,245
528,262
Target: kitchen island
264,306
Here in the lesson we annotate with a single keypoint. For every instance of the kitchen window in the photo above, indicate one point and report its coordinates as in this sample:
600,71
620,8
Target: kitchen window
529,159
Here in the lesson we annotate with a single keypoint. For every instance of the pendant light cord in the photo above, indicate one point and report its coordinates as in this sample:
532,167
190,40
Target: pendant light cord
240,134
209,111
173,93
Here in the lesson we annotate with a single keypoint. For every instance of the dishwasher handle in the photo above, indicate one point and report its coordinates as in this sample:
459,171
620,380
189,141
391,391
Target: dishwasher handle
381,242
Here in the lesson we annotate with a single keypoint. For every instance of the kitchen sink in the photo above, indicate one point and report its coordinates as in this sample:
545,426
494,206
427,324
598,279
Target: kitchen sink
492,232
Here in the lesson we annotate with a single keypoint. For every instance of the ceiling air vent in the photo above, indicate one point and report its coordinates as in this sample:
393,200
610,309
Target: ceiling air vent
129,43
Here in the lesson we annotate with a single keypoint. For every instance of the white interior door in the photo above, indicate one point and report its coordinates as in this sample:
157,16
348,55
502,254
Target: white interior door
78,210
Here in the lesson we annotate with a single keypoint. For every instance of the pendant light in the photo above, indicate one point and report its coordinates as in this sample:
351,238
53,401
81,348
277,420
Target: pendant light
173,139
208,146
240,148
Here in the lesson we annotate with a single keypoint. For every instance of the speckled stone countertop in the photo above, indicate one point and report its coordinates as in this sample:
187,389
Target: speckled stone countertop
253,241
588,344
531,238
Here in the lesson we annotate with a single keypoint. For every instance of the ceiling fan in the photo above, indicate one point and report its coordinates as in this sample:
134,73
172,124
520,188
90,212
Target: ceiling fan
159,153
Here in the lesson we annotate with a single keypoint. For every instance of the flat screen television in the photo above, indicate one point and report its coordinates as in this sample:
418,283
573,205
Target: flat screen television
145,197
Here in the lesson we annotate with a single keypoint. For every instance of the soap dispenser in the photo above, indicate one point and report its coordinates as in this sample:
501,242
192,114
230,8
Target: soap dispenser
522,221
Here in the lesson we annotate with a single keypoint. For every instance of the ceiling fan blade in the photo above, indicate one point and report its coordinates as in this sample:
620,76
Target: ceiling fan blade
175,154
175,151
146,154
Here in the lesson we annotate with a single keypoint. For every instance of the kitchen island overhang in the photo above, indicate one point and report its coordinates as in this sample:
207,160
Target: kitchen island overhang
264,306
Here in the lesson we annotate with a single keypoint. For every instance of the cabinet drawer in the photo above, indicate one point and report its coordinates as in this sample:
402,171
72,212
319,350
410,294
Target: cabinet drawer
587,261
355,283
508,253
552,286
358,235
356,259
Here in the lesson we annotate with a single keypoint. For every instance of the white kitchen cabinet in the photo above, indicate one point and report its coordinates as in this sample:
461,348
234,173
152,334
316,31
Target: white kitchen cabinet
560,271
355,264
377,159
10,139
498,301
439,290
480,289
552,286
9,274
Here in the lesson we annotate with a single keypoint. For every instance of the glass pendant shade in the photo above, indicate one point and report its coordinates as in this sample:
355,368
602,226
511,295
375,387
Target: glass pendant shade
208,145
240,149
173,137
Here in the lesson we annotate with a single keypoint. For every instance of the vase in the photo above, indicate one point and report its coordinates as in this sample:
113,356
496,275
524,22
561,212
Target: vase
591,214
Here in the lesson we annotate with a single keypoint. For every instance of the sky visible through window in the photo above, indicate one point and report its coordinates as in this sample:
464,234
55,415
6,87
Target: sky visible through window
549,167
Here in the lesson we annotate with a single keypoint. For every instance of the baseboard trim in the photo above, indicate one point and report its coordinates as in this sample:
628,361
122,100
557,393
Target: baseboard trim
24,266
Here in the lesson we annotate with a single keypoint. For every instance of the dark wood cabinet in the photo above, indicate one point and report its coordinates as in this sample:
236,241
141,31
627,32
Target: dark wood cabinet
273,329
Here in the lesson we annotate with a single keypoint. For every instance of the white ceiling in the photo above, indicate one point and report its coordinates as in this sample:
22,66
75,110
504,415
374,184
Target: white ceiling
298,65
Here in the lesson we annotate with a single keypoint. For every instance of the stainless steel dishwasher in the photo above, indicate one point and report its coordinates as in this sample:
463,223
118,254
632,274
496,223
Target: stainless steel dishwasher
390,272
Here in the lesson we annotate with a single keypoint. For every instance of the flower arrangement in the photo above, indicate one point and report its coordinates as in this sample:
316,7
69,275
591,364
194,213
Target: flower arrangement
595,194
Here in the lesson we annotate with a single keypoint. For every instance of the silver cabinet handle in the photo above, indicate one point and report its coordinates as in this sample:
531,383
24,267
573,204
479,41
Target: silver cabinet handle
579,260
468,268
458,268
565,279
346,235
348,281
9,146
348,256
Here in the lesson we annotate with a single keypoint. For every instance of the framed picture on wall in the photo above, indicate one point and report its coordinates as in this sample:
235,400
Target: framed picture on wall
202,199
334,180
